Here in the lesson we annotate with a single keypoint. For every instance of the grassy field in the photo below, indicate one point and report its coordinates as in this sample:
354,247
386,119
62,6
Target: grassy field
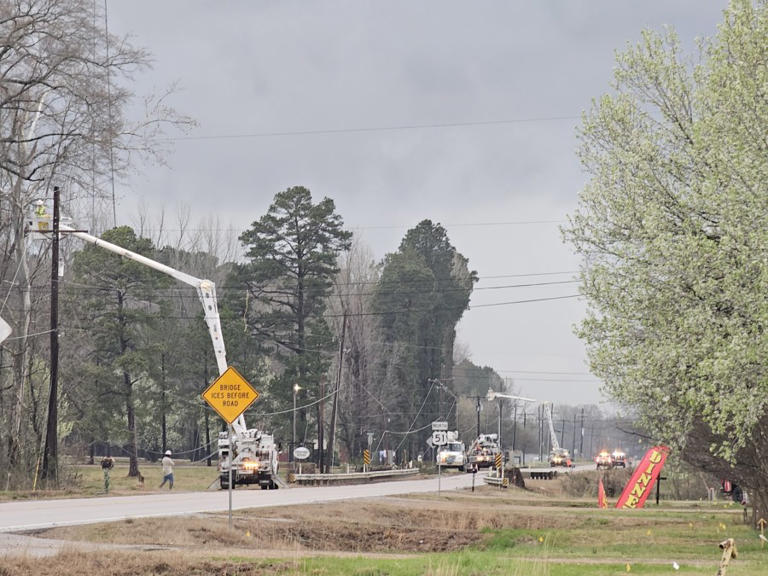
532,532
90,479
84,480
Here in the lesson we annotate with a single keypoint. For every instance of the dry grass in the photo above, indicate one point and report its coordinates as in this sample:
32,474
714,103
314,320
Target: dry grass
509,533
415,524
125,564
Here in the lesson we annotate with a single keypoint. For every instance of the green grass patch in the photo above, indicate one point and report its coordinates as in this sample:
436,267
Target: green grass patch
90,478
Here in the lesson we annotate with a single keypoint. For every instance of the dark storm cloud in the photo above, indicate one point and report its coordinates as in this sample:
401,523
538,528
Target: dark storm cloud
282,67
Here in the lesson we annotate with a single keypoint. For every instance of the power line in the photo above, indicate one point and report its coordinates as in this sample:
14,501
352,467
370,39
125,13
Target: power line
367,226
409,310
186,292
365,129
511,302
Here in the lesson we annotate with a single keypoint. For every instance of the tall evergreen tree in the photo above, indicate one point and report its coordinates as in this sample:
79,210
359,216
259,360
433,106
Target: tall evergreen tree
120,311
292,255
423,291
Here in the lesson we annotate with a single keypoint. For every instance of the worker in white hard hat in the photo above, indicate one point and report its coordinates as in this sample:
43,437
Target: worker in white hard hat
167,470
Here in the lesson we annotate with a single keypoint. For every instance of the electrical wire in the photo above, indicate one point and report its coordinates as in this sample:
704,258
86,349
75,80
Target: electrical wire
432,385
364,129
13,283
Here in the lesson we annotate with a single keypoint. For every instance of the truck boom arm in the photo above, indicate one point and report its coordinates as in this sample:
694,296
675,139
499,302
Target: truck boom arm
553,435
206,292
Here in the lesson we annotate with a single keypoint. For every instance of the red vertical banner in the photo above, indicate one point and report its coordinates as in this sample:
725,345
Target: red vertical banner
640,485
601,500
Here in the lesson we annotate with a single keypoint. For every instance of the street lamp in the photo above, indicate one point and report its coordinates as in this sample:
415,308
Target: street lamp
296,389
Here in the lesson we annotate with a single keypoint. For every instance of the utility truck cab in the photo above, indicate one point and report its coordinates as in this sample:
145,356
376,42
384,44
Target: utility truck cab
452,454
482,452
255,463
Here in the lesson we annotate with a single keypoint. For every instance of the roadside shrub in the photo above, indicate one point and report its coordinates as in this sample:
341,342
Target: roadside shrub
584,485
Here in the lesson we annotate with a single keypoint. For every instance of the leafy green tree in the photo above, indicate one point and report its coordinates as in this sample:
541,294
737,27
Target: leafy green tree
422,293
121,314
292,253
673,228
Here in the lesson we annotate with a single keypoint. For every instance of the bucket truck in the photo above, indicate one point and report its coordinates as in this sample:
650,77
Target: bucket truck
558,456
251,453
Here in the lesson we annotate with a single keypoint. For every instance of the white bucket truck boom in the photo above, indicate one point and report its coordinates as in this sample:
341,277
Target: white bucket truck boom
255,453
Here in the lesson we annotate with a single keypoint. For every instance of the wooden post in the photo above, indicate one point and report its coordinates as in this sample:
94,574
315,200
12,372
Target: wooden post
729,551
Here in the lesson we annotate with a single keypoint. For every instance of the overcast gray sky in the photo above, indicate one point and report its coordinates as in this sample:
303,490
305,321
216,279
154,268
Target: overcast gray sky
461,112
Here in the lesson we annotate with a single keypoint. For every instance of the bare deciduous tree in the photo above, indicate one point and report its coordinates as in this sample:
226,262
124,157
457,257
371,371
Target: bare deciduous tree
63,96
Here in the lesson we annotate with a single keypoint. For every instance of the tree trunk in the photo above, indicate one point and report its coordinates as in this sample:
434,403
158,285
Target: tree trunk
133,445
22,356
320,424
163,408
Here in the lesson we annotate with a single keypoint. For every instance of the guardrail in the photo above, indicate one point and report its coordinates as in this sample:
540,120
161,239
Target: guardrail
319,479
540,474
497,481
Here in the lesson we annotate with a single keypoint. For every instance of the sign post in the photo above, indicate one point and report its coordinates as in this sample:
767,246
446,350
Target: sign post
229,484
301,453
230,395
439,438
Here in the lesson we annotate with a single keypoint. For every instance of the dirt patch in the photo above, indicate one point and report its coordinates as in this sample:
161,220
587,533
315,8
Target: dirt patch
414,524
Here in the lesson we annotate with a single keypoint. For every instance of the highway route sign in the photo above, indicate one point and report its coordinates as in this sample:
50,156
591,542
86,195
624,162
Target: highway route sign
439,425
439,438
230,395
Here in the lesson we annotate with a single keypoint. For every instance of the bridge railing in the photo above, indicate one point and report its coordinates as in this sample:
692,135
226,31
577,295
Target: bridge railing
351,477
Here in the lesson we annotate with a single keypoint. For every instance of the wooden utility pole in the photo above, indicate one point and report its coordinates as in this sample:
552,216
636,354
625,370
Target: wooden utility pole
478,407
332,439
320,425
50,452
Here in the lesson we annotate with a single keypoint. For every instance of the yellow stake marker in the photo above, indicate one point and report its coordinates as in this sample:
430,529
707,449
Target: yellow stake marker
762,524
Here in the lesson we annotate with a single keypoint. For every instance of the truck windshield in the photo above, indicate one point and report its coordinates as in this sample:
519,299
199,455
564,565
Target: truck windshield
455,447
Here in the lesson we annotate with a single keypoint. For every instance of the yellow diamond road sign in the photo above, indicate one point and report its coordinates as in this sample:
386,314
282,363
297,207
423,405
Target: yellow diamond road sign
230,395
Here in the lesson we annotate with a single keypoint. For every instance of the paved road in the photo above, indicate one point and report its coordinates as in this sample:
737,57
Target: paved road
30,515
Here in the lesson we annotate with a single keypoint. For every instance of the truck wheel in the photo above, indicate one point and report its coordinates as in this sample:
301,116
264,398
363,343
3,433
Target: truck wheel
223,483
